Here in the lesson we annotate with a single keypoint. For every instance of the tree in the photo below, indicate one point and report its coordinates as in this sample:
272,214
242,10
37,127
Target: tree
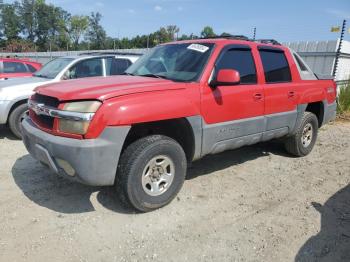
10,21
27,13
58,33
78,25
165,34
207,32
188,37
172,30
224,34
96,34
1,22
50,26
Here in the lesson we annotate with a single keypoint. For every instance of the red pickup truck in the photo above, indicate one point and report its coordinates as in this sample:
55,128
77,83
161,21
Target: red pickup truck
12,68
179,102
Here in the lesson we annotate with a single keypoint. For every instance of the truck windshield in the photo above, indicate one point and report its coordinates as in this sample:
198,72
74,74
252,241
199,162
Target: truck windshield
177,62
53,68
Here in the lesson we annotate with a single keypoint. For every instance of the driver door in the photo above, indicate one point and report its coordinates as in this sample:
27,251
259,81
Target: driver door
233,115
86,68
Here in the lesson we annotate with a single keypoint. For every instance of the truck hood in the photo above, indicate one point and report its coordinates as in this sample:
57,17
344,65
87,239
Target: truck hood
21,88
20,81
103,88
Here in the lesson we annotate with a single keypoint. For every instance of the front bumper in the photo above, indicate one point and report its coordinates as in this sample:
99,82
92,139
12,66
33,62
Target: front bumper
94,161
5,106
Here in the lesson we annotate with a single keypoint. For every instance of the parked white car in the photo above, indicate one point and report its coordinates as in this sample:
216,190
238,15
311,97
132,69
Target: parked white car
14,93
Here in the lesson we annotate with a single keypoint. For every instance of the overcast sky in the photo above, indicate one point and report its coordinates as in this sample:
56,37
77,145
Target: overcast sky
283,20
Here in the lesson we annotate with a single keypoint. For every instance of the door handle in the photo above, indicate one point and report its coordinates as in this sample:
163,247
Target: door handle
258,96
291,94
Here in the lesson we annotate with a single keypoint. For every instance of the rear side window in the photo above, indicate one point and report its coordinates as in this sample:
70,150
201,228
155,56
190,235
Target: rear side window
14,67
276,66
117,66
240,60
31,68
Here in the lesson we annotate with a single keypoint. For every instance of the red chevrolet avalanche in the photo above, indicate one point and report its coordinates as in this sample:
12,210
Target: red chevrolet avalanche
176,104
11,68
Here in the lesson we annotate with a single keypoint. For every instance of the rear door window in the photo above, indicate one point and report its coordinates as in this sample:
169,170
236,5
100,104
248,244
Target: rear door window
300,63
275,65
117,66
240,60
14,67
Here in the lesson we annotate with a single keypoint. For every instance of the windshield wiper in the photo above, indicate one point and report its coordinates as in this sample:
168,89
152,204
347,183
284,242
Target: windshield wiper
155,76
128,74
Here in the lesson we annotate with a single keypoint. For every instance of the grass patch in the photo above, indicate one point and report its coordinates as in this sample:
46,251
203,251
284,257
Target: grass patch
344,100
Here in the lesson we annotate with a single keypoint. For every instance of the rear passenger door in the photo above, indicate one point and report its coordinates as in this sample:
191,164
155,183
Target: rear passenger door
280,93
116,66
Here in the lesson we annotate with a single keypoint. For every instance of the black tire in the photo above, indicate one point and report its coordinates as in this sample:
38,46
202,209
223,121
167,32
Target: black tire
133,163
16,118
294,144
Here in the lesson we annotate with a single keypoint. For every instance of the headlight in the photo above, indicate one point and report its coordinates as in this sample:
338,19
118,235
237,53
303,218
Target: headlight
79,127
82,107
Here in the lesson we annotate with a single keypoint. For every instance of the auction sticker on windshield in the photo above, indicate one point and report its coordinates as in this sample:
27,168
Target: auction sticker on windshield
198,48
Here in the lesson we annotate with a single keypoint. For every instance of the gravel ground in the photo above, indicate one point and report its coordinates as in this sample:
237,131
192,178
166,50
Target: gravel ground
252,204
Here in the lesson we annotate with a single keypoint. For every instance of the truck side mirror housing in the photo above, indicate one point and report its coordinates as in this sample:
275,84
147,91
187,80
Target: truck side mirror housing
226,77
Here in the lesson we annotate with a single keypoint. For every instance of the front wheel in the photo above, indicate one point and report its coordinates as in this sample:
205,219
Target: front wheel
151,172
303,141
15,119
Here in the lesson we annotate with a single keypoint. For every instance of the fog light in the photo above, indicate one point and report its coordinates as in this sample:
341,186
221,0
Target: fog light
75,127
66,167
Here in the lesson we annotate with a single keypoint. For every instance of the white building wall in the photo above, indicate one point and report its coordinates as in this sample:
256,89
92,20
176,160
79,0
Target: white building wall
320,56
343,71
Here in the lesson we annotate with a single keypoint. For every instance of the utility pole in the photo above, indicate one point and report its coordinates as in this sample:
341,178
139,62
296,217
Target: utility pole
254,33
50,50
337,55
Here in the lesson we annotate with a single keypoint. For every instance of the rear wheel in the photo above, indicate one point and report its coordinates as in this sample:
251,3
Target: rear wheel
15,119
302,143
151,172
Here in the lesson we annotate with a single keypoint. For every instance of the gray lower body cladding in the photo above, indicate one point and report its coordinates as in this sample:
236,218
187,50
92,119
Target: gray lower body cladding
219,137
330,112
94,161
234,134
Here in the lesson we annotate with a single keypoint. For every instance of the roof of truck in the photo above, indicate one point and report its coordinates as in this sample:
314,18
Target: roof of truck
242,40
132,57
22,60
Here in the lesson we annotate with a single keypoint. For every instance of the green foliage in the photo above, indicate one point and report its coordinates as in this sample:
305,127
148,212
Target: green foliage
43,26
344,99
27,14
207,32
10,22
96,34
77,27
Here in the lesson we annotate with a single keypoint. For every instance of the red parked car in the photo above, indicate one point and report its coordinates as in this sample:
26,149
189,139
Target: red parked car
11,68
177,103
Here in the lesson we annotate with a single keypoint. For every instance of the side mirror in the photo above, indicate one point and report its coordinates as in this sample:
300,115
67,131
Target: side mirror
226,77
